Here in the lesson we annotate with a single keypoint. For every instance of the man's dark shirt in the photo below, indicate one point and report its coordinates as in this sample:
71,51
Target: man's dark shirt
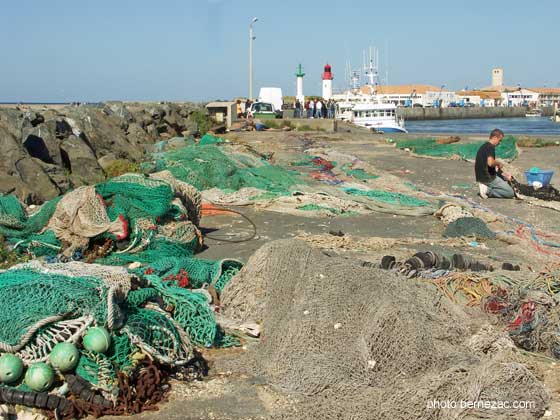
482,171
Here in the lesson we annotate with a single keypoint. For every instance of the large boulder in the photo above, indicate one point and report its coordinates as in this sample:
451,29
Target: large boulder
81,161
119,110
58,175
137,136
48,152
41,142
21,173
189,127
103,132
11,120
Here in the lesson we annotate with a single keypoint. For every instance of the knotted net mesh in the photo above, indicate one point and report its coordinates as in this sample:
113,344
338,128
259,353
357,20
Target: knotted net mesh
353,342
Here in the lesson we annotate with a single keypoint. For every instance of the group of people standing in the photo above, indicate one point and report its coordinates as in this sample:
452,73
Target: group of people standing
318,108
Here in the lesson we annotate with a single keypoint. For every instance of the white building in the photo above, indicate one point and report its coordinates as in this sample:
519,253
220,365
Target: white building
484,98
411,95
519,97
400,95
440,98
548,96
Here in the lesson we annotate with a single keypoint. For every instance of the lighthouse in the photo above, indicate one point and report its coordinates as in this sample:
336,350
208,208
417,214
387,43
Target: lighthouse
299,84
327,82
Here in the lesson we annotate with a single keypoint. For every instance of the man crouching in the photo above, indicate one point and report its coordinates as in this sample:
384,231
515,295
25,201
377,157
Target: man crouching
488,171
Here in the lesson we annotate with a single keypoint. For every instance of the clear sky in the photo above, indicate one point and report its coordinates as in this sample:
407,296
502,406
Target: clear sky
72,50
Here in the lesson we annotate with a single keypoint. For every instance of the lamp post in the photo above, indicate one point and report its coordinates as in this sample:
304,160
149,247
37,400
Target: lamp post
251,38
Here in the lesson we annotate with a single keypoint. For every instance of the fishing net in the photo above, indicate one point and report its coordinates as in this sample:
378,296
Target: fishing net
548,193
156,334
41,344
430,147
369,346
450,212
320,208
531,311
469,227
38,299
357,173
210,139
226,167
14,221
388,197
81,215
98,370
23,231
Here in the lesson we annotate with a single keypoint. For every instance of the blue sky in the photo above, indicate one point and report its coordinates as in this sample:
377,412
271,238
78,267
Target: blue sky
64,50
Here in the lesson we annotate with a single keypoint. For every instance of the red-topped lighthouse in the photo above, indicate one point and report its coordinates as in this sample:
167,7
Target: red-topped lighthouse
327,82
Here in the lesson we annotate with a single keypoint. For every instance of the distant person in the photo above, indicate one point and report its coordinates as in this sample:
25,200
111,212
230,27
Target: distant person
318,109
488,171
311,110
332,109
247,106
297,107
324,109
238,109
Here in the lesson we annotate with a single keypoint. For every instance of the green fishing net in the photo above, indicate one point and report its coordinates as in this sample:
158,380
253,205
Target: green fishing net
429,147
387,197
469,227
23,231
358,174
210,139
211,166
30,297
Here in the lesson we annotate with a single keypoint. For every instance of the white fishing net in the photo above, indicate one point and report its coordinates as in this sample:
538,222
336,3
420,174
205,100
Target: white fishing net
355,342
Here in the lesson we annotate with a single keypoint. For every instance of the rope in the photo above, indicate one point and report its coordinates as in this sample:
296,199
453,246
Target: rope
110,307
474,204
235,241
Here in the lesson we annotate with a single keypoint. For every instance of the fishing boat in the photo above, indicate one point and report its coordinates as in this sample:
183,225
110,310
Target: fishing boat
379,117
534,113
363,107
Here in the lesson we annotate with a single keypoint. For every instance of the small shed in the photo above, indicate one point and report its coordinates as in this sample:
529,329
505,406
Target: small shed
223,112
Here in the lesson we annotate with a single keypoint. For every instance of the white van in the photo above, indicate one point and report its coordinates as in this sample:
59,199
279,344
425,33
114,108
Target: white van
272,96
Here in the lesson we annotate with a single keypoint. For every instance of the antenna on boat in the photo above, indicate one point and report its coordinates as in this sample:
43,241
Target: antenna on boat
371,71
387,62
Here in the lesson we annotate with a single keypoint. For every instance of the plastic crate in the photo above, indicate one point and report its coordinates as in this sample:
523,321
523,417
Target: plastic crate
543,177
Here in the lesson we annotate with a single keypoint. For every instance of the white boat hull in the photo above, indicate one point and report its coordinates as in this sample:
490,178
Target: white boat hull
389,126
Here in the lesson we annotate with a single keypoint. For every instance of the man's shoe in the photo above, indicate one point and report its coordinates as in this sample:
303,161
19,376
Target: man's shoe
483,191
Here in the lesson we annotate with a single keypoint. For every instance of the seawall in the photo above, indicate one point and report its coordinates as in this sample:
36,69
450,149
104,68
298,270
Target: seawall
412,114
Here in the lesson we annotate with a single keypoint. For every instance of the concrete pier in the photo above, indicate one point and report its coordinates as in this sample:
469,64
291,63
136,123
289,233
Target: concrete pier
417,114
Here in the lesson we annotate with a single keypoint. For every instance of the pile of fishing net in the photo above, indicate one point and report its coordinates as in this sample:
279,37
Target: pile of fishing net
507,149
226,167
349,341
101,325
545,196
231,174
147,319
531,310
468,227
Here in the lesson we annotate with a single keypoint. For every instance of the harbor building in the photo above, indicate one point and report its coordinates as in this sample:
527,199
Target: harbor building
412,95
548,96
484,98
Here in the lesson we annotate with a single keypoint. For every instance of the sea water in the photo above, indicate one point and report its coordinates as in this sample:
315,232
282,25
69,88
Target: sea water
530,126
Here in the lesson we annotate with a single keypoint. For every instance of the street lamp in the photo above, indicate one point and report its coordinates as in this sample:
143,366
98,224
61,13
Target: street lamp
251,38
